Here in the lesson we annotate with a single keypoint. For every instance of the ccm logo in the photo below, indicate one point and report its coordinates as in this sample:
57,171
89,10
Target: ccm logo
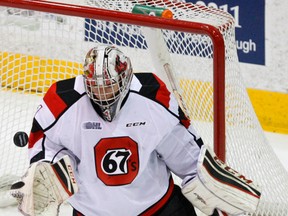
70,171
135,124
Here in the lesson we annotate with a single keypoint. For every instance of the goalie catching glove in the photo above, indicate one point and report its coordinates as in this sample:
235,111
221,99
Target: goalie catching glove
217,186
45,187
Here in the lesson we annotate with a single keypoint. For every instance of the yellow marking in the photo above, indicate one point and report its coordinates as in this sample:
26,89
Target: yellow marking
34,74
271,109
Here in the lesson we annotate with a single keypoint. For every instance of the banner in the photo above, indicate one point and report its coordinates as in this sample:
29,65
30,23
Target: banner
250,26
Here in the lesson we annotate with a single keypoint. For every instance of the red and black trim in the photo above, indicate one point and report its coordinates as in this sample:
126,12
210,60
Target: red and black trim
60,169
157,206
155,89
183,118
225,177
35,134
77,213
60,96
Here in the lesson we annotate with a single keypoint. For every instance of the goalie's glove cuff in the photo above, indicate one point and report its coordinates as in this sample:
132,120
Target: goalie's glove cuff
44,187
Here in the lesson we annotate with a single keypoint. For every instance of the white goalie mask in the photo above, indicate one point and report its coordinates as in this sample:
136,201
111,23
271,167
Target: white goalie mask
107,78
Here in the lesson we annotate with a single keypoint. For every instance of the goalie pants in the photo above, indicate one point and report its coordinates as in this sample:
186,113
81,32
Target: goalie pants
177,205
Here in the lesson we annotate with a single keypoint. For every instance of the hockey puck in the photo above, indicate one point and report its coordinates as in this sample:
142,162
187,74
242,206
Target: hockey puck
20,139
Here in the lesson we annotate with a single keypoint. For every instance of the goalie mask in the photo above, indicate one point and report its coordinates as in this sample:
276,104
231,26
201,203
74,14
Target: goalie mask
107,78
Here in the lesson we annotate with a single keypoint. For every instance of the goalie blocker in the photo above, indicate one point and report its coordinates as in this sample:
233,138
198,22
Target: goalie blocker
217,186
44,187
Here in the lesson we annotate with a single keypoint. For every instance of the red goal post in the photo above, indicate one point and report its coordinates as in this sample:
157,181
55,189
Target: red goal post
44,41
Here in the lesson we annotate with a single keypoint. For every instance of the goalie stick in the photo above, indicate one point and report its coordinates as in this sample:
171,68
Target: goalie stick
162,61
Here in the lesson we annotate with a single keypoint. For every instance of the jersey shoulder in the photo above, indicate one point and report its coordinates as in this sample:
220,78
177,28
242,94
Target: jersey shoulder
62,94
152,87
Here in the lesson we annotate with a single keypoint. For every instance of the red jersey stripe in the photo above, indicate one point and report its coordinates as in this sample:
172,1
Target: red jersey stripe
34,137
185,122
55,104
163,95
157,206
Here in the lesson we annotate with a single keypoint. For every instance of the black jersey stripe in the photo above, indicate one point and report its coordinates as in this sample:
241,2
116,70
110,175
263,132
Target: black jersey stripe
153,89
156,90
40,155
36,133
60,96
65,89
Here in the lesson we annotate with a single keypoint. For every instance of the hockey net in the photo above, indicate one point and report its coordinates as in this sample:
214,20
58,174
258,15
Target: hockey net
40,44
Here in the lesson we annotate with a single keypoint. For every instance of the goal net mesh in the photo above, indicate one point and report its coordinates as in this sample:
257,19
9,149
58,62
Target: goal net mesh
39,48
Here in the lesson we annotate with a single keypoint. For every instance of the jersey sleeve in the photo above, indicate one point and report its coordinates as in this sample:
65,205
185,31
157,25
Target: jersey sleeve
45,144
44,138
180,149
152,87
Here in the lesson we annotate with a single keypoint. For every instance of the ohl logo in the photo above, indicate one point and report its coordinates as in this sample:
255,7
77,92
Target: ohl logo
116,160
92,125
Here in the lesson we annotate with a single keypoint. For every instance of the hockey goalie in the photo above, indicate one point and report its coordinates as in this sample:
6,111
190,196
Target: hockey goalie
108,142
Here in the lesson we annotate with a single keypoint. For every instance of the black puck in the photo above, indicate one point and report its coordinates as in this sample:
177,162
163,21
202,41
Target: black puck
20,139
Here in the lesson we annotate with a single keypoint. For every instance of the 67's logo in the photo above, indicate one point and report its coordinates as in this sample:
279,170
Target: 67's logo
116,160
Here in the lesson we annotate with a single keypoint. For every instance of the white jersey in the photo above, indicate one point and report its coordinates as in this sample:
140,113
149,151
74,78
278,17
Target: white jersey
122,167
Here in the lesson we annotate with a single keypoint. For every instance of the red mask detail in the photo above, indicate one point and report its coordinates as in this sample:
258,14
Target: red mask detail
120,66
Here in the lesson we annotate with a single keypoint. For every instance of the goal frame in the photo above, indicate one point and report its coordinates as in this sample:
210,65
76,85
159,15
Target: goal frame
155,22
